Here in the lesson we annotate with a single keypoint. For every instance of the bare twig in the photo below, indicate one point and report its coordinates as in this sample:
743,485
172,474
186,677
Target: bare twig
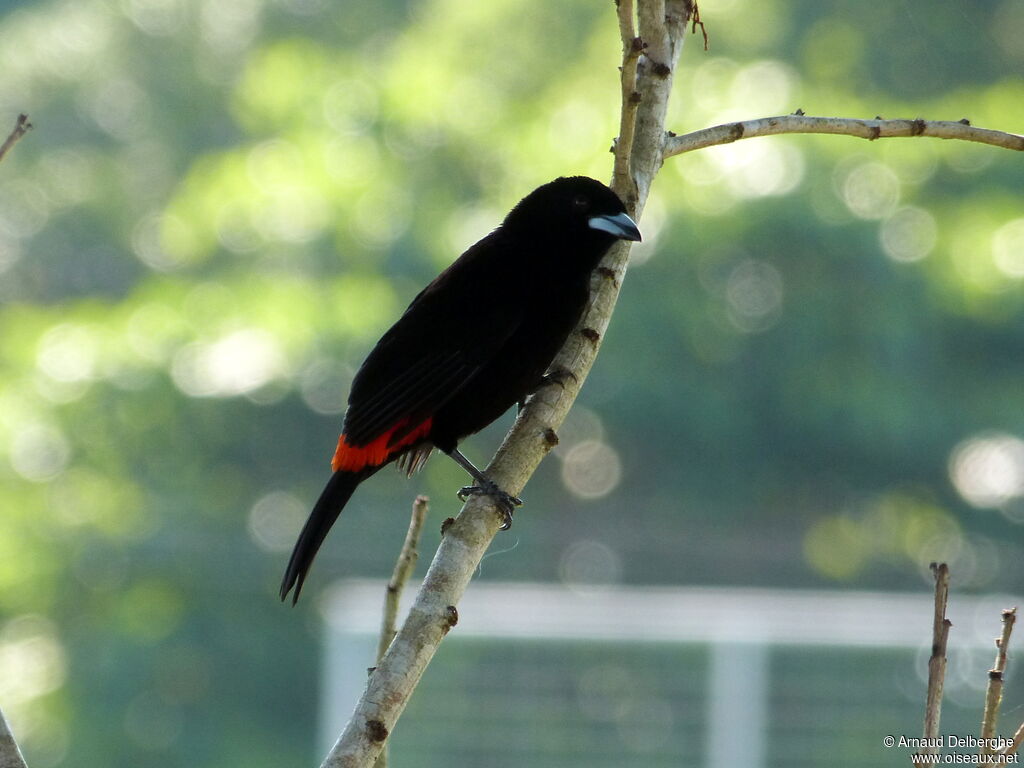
937,662
662,26
994,694
631,48
864,129
698,23
21,127
404,567
10,754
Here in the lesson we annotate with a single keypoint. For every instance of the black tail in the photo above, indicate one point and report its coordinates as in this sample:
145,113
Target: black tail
326,510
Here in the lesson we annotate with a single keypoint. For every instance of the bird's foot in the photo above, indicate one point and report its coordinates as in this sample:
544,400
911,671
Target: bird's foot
505,501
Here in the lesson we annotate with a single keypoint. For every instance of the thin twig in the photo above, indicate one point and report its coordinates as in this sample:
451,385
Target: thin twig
937,662
631,49
844,126
404,567
10,754
994,694
698,23
21,127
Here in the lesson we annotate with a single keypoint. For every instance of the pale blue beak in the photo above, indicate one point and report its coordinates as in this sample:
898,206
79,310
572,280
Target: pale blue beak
619,225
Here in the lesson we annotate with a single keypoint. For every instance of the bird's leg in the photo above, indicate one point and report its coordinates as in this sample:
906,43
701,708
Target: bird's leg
505,501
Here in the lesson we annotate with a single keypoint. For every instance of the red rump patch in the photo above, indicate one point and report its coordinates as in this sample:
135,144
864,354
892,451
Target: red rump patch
352,458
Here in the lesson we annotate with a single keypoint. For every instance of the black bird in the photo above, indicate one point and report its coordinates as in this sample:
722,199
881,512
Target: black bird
473,343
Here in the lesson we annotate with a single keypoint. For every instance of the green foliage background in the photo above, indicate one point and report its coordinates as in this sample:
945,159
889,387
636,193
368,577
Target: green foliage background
223,204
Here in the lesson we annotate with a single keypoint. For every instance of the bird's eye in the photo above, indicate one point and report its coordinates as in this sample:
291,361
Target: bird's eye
581,202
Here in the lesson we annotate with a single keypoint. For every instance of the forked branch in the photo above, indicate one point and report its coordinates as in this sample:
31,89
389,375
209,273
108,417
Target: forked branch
650,55
662,25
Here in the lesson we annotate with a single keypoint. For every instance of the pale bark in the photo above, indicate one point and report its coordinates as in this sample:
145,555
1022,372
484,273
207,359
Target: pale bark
994,690
404,567
10,755
937,662
843,126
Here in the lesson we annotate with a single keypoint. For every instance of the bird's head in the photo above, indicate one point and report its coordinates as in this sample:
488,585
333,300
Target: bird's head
573,212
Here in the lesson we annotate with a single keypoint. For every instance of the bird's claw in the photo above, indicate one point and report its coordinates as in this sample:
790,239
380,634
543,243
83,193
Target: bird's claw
506,502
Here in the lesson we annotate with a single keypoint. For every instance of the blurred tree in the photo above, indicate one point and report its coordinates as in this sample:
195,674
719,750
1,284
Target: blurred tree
813,378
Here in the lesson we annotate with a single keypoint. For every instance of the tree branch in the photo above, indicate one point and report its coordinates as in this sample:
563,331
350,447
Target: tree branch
433,613
21,127
994,693
937,662
631,48
10,754
844,126
662,27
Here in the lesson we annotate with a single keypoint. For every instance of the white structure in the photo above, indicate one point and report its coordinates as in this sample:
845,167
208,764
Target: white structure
739,627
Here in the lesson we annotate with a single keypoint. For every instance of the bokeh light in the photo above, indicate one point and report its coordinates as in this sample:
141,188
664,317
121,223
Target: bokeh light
988,469
274,520
834,546
759,168
231,25
870,190
68,353
24,208
909,234
32,661
591,469
589,563
1008,248
351,106
236,364
762,88
581,424
160,18
754,293
324,385
39,452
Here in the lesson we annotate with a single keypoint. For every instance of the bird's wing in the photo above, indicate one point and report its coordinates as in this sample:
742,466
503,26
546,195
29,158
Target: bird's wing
423,385
449,331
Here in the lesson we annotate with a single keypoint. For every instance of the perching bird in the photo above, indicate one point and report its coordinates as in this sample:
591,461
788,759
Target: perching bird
473,343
